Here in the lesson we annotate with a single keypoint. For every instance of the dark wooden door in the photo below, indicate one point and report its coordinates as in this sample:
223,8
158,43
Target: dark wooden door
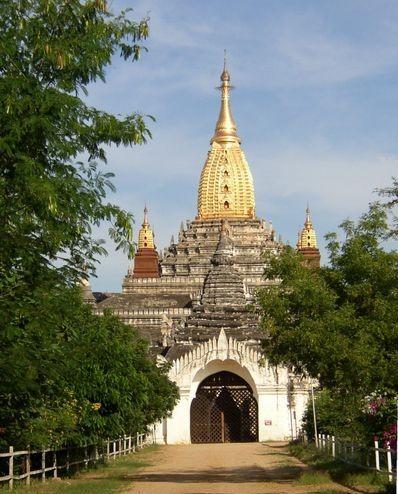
224,410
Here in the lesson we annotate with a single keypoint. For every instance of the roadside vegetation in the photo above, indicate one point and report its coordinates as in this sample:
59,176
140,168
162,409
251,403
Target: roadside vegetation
323,470
67,376
338,324
109,478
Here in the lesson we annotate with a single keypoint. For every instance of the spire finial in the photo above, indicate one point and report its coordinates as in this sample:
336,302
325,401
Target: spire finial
145,235
226,126
145,216
308,222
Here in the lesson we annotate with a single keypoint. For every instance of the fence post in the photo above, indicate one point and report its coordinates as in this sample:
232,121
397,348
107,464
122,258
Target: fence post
85,456
11,468
96,453
120,446
129,444
333,447
67,459
124,445
28,467
107,449
43,465
389,463
55,474
377,455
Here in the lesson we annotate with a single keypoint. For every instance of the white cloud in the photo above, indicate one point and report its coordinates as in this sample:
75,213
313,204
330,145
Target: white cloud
341,183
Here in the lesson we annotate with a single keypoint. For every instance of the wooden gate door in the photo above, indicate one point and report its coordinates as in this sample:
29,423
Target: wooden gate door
224,410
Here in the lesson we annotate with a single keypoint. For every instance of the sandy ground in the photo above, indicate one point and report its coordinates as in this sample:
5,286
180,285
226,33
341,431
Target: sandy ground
249,468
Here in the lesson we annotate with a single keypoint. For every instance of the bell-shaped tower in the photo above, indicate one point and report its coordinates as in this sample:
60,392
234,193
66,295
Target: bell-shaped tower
307,243
146,261
226,185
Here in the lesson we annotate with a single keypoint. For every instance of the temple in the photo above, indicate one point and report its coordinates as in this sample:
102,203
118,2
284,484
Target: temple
194,304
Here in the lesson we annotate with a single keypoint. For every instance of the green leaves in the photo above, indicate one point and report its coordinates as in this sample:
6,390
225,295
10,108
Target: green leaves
71,376
49,52
67,375
338,323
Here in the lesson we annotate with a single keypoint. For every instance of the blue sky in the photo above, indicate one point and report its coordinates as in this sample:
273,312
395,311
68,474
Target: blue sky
316,103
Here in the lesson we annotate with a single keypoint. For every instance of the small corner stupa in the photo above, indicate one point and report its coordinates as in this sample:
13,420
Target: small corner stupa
146,260
307,244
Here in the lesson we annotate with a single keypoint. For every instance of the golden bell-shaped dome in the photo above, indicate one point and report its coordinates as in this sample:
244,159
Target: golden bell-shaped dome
307,236
226,185
145,236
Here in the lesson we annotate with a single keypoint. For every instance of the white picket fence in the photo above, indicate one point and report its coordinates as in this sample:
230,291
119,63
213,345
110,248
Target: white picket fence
376,458
23,465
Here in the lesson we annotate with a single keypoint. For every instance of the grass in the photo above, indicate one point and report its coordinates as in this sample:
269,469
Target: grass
104,479
313,477
351,476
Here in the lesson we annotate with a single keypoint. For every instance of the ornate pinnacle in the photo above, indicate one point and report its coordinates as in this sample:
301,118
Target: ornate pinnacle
145,216
308,222
226,126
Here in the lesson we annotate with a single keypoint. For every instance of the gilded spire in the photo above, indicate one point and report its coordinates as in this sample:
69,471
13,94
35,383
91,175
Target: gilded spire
307,236
145,216
145,236
308,222
226,126
226,184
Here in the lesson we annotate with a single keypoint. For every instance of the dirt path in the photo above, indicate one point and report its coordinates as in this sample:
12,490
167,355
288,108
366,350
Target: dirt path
249,468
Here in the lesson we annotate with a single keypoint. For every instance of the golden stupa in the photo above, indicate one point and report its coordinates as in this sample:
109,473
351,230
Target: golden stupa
145,236
226,185
307,236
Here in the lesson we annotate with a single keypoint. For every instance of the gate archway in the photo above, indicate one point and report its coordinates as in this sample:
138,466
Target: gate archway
224,410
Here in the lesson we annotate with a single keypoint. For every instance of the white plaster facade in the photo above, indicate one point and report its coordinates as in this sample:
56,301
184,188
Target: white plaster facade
281,398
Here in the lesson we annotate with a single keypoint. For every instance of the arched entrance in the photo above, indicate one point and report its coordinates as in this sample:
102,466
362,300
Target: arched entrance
224,410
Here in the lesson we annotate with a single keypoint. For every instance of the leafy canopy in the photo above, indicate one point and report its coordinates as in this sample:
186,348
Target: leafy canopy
69,376
66,375
338,323
50,51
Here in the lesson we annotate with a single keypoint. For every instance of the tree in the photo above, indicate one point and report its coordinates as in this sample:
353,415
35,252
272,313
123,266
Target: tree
338,324
51,50
67,375
391,193
86,377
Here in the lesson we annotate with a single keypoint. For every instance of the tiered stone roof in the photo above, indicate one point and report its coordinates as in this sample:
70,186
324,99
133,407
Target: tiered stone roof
223,302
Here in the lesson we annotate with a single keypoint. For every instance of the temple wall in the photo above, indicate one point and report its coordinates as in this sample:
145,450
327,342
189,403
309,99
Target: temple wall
279,414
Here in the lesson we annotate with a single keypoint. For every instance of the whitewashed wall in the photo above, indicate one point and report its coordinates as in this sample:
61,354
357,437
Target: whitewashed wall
277,420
